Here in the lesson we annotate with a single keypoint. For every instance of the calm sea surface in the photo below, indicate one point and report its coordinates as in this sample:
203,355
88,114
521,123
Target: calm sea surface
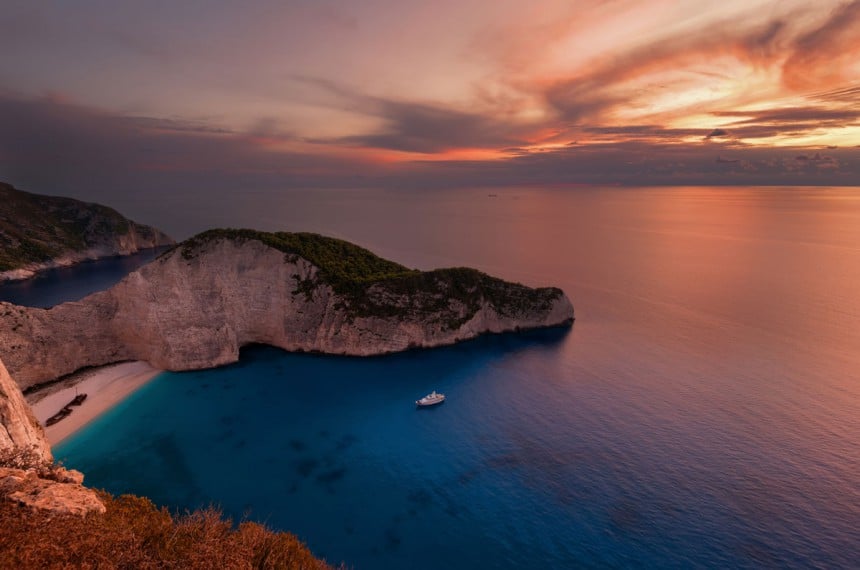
55,286
703,411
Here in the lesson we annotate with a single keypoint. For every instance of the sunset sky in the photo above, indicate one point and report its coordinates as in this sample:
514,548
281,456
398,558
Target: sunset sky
267,94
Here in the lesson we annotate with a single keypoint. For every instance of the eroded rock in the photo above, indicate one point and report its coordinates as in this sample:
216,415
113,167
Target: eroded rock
197,305
65,496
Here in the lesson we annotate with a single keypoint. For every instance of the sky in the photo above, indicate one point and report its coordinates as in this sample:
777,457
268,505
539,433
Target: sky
99,97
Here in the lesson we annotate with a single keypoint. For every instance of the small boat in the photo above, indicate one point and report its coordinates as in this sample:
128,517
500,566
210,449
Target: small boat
430,399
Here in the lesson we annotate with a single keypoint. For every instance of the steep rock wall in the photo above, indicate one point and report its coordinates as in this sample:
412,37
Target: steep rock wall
19,429
28,476
184,312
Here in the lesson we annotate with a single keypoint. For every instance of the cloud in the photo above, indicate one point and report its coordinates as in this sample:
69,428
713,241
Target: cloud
420,127
717,133
828,54
786,122
56,144
818,160
778,115
424,128
610,82
189,176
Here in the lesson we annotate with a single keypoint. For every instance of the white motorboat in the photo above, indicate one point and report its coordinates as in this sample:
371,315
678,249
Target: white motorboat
430,399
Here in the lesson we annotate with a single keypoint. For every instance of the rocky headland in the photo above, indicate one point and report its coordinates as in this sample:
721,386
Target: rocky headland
41,232
48,519
28,476
196,305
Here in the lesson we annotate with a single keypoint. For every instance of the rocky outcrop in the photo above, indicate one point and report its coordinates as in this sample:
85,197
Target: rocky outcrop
40,232
63,494
20,433
27,473
197,305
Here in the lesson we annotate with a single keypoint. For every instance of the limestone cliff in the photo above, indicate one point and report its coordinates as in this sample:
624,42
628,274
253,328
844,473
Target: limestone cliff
28,476
19,429
39,232
197,305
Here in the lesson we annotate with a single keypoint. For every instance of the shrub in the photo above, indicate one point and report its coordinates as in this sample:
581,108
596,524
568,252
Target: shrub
135,534
367,283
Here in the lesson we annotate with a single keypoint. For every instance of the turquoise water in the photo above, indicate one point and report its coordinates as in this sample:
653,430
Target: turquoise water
703,411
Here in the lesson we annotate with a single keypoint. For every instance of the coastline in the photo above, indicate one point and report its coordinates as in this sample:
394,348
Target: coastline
33,270
105,387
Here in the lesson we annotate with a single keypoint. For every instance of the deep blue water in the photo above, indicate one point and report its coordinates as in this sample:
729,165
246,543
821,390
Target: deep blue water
60,285
703,411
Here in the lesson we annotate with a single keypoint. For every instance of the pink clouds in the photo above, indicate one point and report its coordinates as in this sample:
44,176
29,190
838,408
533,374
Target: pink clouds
334,92
827,55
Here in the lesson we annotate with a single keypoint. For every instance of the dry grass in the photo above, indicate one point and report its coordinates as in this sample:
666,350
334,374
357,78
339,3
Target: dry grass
28,458
134,533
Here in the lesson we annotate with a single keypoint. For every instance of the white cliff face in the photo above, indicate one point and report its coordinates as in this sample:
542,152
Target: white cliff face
27,474
19,429
181,313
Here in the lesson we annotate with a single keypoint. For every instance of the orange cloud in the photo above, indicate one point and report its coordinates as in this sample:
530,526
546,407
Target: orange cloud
828,55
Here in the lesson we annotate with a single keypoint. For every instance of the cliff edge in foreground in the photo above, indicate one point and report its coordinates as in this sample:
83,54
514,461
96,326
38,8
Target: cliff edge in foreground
18,427
39,232
28,477
48,519
198,304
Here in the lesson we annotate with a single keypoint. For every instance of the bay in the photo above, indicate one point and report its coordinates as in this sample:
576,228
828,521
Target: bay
703,411
63,284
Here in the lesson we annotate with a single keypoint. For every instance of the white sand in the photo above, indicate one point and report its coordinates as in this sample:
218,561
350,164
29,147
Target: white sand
105,387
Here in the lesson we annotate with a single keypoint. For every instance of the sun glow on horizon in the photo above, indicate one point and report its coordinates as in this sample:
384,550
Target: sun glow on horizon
322,88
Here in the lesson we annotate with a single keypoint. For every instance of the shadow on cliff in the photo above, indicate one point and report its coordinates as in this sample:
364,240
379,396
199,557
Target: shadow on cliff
549,339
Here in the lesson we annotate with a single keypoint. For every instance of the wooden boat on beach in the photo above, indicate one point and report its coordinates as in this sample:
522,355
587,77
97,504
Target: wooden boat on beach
61,415
79,399
66,411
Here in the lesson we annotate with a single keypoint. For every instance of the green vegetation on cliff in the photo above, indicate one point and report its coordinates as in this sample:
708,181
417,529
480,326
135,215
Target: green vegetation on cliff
372,286
342,265
38,229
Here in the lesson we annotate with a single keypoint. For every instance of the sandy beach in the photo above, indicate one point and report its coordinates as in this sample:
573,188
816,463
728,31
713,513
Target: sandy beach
105,387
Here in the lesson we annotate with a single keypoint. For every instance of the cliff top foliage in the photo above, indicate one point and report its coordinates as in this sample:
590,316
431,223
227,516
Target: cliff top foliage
372,286
134,533
36,228
341,263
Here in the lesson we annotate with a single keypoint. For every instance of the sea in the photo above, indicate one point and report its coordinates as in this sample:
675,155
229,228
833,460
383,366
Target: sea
702,412
60,284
